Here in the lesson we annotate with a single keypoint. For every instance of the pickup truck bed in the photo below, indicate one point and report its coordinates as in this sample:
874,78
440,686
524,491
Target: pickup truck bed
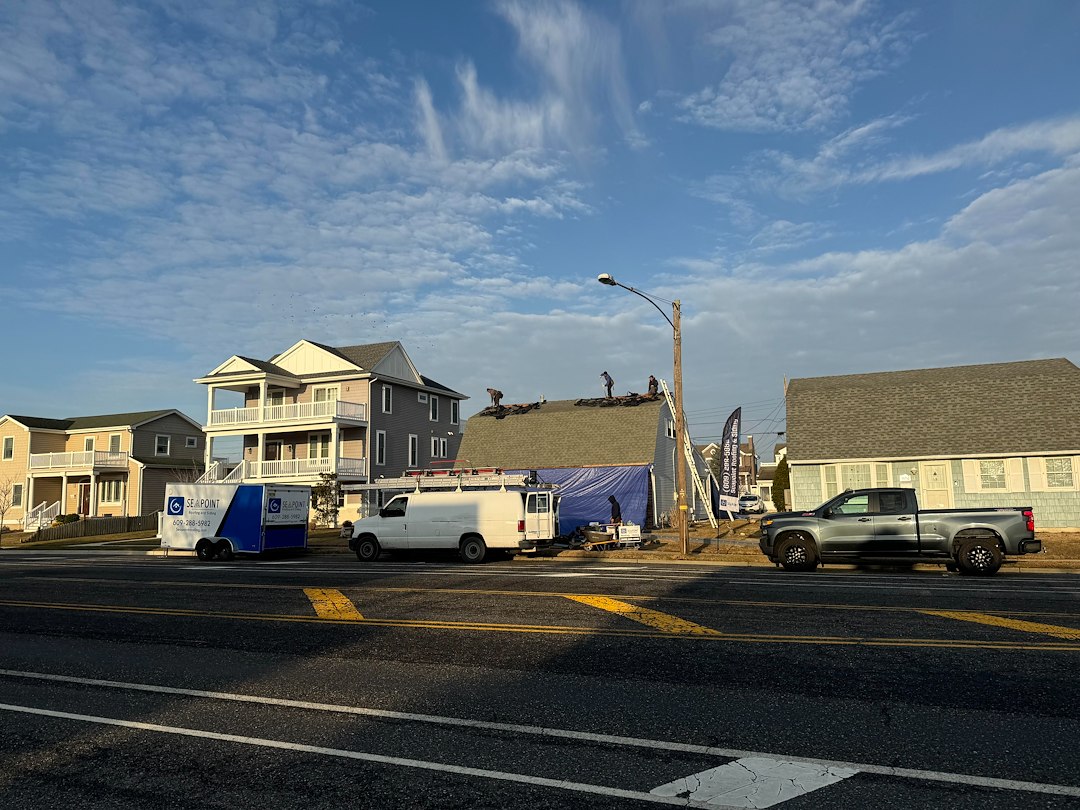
885,524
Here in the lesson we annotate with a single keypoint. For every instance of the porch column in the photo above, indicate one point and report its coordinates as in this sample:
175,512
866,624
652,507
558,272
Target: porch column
261,455
29,495
63,494
93,494
209,452
335,451
262,400
209,403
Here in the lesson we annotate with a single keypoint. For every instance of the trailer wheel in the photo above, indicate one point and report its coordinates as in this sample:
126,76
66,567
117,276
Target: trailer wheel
224,551
367,548
473,549
204,550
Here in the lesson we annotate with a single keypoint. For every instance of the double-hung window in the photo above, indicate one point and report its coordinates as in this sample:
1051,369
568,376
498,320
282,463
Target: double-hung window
9,448
387,399
992,473
162,444
438,447
414,451
16,495
380,447
110,490
1059,473
433,408
455,411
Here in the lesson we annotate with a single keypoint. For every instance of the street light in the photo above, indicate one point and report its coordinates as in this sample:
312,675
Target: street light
680,429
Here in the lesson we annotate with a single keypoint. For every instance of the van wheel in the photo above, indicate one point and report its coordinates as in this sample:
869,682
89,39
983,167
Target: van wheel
204,550
979,556
797,553
473,549
224,551
367,548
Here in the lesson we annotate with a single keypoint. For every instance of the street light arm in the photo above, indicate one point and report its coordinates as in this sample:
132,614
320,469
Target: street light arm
642,295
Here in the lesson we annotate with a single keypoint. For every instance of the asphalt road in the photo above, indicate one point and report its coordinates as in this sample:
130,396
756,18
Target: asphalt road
132,681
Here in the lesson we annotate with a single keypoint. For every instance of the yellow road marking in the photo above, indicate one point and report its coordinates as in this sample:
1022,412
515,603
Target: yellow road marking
331,604
1069,633
957,644
651,618
546,594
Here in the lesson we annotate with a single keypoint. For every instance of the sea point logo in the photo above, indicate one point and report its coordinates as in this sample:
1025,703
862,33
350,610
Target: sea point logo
274,507
176,505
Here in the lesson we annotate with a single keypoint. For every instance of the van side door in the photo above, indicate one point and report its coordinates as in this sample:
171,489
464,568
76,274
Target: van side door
539,516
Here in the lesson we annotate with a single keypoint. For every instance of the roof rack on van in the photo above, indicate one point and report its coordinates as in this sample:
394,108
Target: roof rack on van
449,479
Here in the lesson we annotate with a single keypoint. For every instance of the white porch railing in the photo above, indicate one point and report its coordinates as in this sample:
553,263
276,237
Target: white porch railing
41,515
297,412
308,468
86,459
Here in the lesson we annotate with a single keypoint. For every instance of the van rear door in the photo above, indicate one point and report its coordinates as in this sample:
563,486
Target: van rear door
539,516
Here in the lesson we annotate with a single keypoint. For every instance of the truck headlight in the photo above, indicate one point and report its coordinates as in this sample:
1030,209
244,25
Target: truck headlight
767,523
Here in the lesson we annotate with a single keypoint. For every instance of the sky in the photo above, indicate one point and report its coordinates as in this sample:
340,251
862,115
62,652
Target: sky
828,187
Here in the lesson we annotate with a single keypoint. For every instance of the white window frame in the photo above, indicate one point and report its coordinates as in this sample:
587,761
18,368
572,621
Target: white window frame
88,444
111,497
414,451
275,397
318,441
191,442
1071,472
326,391
168,444
387,399
669,429
830,489
9,448
119,442
455,412
983,475
433,408
17,495
421,396
438,447
380,448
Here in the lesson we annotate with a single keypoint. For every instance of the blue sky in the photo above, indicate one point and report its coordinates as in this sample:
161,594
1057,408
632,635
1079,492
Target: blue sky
829,187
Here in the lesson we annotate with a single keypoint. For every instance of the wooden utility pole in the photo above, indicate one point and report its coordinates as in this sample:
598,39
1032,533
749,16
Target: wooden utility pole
680,433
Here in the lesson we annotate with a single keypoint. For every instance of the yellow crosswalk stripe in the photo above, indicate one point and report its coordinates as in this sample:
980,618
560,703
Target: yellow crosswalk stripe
331,604
652,618
1070,633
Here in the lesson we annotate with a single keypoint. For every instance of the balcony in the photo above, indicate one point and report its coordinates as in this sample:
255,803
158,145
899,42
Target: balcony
86,460
296,468
300,412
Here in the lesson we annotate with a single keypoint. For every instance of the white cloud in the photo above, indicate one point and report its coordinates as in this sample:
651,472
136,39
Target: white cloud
790,65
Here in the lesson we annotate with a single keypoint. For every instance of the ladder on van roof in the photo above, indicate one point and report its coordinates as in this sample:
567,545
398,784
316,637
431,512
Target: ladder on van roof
447,479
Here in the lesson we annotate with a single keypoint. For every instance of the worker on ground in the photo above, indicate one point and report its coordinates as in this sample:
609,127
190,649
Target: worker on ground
653,386
616,515
496,396
608,383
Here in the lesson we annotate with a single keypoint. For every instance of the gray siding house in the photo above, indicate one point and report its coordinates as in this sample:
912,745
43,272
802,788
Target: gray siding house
1002,434
570,435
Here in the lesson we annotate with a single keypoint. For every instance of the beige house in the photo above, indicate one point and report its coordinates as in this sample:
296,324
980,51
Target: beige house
355,411
95,466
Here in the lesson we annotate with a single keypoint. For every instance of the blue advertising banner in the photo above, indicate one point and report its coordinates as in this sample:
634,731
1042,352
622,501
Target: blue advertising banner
729,463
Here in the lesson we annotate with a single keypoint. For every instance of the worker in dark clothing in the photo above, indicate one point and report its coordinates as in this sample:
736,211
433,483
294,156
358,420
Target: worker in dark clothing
616,511
496,396
653,386
608,383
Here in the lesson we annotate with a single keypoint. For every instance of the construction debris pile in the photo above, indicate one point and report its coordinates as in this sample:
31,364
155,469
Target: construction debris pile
500,411
611,402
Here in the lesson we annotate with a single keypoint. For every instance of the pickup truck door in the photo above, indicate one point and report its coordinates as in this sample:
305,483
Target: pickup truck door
847,526
896,529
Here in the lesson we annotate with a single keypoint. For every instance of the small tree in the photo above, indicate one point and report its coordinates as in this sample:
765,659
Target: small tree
781,482
7,490
324,499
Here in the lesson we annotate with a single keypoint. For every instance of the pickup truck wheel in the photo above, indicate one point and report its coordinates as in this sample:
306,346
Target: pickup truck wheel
473,549
979,556
797,553
367,548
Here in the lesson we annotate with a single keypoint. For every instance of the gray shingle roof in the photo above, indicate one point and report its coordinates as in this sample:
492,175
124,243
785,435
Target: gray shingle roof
365,355
89,422
1027,406
561,434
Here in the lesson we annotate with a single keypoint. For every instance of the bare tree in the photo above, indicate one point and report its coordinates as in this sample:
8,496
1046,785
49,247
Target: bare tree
7,490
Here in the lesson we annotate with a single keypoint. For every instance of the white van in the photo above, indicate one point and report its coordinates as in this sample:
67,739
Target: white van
475,522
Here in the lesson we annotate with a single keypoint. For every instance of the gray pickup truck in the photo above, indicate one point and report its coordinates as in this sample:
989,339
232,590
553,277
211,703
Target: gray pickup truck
886,525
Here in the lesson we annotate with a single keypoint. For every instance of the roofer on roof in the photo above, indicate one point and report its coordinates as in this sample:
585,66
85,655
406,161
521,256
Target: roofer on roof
608,383
496,396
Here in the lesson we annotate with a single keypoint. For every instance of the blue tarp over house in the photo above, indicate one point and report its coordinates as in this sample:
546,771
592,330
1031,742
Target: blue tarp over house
584,493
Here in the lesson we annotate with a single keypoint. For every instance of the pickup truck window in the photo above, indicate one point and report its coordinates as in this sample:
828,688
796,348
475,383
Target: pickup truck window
852,505
892,503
